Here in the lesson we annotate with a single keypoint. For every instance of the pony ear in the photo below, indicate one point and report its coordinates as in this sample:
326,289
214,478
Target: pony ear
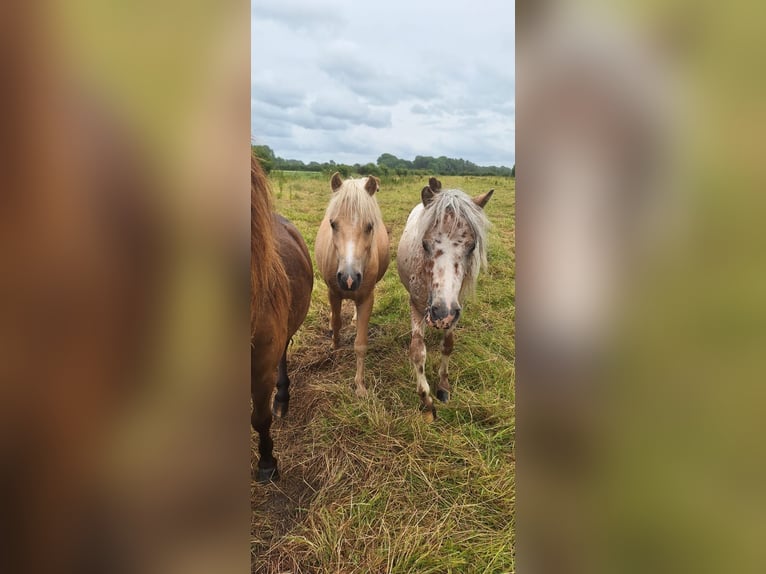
483,199
372,185
435,184
336,181
427,195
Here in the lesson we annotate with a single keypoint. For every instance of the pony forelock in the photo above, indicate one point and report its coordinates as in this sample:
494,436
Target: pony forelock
353,200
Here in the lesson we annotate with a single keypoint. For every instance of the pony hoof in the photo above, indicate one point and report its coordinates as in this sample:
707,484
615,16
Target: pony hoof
429,414
442,395
361,392
279,408
267,475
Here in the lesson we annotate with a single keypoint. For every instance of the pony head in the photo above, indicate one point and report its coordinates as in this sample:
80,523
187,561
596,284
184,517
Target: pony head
353,215
452,233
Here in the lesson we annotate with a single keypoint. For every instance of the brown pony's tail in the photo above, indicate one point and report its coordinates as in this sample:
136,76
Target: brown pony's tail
268,282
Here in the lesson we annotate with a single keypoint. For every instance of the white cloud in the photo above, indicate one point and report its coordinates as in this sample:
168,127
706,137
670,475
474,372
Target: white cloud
344,106
314,16
346,80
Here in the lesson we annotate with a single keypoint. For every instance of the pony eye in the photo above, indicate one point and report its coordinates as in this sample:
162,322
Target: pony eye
471,247
426,248
334,225
368,228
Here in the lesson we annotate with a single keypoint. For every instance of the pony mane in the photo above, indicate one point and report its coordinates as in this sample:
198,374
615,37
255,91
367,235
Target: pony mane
352,199
447,208
268,284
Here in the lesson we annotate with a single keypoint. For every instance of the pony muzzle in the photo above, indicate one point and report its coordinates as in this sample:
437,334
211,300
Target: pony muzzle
349,281
442,316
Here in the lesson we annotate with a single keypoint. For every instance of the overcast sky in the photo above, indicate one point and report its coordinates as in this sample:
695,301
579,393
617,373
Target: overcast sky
348,80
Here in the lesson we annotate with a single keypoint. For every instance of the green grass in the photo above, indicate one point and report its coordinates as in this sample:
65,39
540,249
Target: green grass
366,485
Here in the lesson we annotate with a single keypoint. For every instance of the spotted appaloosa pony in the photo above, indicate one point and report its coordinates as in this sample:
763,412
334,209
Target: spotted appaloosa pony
352,253
442,249
281,279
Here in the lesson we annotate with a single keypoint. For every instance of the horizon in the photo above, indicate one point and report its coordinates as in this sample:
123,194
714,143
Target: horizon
375,160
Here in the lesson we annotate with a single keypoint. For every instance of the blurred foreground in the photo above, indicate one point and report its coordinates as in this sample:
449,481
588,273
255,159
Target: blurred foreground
124,331
640,312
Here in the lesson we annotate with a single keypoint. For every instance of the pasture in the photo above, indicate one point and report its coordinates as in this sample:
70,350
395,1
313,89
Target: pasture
366,485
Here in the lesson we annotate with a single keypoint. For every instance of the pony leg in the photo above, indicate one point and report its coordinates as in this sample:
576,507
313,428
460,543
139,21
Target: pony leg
261,421
418,360
282,398
364,310
335,319
443,388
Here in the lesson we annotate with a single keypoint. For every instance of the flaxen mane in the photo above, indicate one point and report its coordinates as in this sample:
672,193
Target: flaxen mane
353,199
449,207
268,280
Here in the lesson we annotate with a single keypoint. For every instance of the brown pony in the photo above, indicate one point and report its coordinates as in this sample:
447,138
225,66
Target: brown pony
281,279
352,254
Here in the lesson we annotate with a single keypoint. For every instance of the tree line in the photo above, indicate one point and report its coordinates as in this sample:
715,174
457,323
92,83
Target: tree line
387,164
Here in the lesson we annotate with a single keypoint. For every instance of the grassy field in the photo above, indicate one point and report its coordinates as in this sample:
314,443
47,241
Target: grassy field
366,485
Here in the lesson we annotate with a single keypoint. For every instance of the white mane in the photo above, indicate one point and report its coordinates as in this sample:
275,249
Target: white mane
445,210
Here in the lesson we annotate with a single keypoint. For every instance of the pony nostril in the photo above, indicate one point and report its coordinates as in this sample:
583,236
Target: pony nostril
456,312
358,277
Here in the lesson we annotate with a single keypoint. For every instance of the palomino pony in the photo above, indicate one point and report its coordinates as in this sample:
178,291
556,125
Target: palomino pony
352,254
281,279
442,249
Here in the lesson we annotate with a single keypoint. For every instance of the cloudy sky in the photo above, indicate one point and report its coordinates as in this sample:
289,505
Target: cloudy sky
348,80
